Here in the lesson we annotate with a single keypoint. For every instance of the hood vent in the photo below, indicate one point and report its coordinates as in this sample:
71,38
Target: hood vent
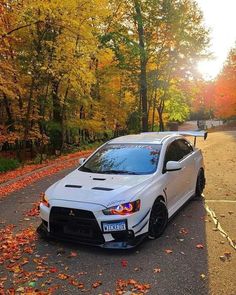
101,179
73,185
103,188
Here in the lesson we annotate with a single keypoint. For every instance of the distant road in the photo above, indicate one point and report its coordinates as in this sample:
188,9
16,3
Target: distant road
192,125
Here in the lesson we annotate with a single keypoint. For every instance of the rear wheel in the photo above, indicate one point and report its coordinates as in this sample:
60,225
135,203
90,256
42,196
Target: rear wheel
200,185
158,219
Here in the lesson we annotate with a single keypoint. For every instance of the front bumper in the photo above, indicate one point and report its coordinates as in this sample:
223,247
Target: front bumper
129,244
76,223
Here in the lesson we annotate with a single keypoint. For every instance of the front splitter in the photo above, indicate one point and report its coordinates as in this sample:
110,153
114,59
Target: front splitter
119,245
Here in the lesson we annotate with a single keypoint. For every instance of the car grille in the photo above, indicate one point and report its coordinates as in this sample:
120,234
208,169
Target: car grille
76,225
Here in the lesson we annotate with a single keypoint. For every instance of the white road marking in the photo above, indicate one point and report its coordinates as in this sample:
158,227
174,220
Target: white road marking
220,201
219,227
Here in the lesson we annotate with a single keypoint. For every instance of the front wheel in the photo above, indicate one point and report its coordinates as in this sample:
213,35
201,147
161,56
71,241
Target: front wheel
158,219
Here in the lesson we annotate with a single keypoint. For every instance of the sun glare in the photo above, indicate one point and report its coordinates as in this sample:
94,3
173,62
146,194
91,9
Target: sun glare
209,68
219,17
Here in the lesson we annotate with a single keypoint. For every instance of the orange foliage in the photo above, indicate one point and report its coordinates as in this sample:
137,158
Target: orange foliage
225,89
205,96
219,96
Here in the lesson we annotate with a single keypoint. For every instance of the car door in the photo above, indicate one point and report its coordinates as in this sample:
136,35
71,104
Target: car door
173,180
186,159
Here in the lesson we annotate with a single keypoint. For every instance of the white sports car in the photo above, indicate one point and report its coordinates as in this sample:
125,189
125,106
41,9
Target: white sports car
125,191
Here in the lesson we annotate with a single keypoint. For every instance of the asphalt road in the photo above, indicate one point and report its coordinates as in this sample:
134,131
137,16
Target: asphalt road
208,268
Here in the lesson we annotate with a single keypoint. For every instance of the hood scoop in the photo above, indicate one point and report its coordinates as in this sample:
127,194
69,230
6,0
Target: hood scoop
102,188
73,186
101,179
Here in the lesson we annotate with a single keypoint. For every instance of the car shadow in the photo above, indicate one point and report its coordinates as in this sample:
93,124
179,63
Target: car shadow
176,263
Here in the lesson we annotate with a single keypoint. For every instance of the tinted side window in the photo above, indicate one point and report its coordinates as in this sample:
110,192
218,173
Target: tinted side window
185,147
173,153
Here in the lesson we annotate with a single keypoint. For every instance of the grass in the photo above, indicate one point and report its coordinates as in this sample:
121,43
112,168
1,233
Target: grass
8,164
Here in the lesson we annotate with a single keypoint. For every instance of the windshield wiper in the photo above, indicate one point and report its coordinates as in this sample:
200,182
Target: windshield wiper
85,169
119,172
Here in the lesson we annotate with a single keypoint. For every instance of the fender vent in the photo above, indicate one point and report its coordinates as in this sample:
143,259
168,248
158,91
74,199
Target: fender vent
73,185
103,188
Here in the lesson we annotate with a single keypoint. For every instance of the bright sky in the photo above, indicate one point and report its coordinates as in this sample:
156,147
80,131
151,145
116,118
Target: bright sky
220,18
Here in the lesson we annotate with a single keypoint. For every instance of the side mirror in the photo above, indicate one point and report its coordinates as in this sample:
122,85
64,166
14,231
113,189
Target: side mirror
81,160
173,166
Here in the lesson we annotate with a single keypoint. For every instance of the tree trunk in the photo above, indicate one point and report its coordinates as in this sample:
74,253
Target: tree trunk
161,123
143,65
63,116
27,118
154,109
56,101
10,120
160,110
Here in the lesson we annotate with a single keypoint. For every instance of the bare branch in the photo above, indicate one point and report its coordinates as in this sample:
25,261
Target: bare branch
19,28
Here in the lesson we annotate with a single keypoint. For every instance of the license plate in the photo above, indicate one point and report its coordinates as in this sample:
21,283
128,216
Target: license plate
114,226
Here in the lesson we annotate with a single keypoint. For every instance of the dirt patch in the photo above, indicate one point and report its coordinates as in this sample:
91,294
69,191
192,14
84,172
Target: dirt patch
219,152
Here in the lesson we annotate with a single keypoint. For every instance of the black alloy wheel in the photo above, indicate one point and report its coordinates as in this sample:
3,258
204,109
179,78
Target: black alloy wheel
158,220
200,185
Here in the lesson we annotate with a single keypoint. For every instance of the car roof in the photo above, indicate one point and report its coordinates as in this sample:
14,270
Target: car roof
149,137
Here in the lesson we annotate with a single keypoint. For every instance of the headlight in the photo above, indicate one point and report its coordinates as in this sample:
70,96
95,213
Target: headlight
44,200
123,209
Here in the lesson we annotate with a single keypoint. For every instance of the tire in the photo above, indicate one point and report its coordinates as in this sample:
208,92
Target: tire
200,185
158,220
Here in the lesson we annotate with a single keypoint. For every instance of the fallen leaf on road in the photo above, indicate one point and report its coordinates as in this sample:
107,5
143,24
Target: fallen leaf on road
125,286
82,273
199,246
32,284
96,284
74,283
157,270
228,255
124,262
222,258
183,231
80,286
62,276
20,290
53,269
73,254
168,251
202,276
33,211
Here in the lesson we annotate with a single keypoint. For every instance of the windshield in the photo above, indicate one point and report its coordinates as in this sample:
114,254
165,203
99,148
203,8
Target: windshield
124,159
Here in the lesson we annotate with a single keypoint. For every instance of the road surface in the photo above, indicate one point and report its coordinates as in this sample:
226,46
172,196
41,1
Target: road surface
196,254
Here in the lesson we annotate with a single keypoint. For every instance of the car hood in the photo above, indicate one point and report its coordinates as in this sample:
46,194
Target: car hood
103,189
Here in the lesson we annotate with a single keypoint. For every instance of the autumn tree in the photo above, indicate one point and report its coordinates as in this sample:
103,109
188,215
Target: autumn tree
164,39
79,71
54,60
225,88
11,90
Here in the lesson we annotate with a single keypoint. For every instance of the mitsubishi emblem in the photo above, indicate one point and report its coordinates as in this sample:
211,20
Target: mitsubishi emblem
71,213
